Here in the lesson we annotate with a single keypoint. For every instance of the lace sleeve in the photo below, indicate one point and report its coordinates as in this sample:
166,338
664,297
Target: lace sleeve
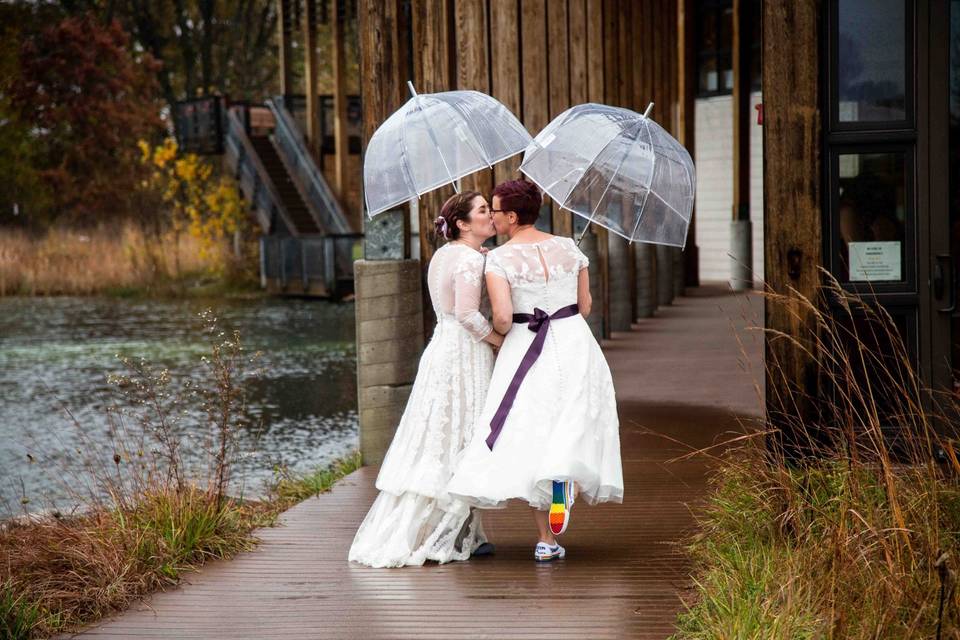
467,291
582,260
493,266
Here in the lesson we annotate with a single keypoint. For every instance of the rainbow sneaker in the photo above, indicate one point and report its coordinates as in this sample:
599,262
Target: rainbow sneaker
560,508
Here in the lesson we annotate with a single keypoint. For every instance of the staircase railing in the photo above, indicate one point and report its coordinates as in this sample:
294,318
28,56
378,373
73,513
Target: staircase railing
321,202
255,183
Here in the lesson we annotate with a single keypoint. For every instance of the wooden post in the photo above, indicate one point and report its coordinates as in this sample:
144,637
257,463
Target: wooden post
473,68
388,303
741,243
339,101
686,120
791,199
595,242
310,78
558,63
284,31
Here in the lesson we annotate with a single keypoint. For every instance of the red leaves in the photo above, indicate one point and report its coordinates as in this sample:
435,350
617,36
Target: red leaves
87,97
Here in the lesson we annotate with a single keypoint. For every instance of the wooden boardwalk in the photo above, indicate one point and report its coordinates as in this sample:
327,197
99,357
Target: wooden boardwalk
680,374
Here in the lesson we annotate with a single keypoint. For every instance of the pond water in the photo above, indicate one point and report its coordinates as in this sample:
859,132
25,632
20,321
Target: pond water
56,355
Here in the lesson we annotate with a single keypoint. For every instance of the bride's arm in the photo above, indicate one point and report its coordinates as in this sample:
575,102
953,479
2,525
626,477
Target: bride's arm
467,291
499,291
584,300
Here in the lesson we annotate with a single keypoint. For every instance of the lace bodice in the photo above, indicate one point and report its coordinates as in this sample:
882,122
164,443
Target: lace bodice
530,286
455,280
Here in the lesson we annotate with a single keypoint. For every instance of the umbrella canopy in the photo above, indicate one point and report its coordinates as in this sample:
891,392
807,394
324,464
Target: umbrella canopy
436,139
617,168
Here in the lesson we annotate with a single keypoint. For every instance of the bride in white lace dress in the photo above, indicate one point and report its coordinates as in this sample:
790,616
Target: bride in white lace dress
413,518
557,424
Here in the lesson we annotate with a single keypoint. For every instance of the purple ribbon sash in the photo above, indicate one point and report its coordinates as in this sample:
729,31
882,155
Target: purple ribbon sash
538,322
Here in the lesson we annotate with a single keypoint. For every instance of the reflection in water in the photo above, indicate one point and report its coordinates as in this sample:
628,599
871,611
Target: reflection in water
56,354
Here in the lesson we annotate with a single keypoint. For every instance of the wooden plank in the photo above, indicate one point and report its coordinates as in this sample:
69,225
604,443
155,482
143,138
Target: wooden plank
558,57
577,20
473,68
505,70
686,121
625,58
432,46
624,575
741,112
595,80
310,78
791,192
533,54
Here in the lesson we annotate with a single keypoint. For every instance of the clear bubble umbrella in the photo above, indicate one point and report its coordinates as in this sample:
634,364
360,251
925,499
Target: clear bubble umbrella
616,168
436,139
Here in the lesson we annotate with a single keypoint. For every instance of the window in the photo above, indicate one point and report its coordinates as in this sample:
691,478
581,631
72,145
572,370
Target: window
715,41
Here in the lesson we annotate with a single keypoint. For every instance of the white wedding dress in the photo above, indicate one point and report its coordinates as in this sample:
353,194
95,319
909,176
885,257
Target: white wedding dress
563,424
413,518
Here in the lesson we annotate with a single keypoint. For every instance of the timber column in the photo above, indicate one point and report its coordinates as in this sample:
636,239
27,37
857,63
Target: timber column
389,311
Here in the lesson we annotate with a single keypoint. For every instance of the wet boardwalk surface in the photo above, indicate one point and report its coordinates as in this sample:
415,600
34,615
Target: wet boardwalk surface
681,374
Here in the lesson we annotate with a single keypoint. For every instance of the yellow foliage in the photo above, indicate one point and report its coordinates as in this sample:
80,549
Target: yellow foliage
208,207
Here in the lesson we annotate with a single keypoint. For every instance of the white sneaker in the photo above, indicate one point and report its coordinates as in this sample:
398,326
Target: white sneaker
546,553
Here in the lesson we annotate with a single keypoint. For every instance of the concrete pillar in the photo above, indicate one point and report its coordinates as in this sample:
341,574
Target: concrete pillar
389,343
679,273
645,258
741,255
621,302
589,247
664,275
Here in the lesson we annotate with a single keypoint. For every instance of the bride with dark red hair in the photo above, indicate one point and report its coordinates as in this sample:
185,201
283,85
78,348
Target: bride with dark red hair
549,431
414,519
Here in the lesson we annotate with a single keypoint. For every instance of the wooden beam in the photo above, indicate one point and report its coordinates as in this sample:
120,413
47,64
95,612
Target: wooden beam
432,46
284,37
558,62
339,102
791,196
310,78
686,119
625,58
473,68
741,111
505,70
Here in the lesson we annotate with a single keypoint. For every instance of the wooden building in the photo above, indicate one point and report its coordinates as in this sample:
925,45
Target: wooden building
849,173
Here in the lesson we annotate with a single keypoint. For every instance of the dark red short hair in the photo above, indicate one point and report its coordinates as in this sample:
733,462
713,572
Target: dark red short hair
520,196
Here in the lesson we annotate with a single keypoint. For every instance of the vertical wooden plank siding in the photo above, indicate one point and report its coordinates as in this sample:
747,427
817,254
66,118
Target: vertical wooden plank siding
558,70
473,68
310,78
637,62
625,61
686,96
505,70
791,189
533,53
432,46
577,12
595,51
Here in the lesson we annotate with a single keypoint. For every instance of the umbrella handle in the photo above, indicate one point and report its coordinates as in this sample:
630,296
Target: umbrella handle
584,232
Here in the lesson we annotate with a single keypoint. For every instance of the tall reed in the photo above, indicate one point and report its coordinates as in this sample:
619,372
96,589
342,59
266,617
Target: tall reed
843,522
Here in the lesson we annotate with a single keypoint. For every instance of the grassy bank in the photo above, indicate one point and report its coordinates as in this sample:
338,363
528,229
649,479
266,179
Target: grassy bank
122,261
59,574
145,520
849,528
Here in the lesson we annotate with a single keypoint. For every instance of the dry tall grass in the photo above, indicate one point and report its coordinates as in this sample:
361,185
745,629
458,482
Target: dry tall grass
846,525
72,262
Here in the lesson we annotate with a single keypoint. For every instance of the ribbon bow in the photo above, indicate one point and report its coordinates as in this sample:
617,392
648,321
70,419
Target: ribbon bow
539,323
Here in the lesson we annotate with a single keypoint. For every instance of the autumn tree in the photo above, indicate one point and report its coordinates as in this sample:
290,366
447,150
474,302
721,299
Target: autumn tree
86,97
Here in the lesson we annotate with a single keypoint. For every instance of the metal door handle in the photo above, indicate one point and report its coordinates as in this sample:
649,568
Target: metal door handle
940,283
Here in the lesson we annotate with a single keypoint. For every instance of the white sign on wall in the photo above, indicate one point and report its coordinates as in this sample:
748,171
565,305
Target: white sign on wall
875,261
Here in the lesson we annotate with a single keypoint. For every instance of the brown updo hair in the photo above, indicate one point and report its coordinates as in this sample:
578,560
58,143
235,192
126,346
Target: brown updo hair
457,207
522,197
